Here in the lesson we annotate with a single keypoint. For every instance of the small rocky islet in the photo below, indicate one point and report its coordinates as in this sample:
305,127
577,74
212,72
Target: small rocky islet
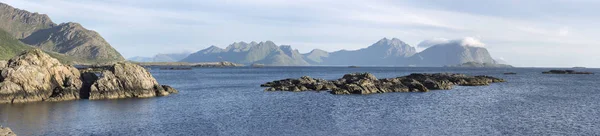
567,72
35,76
366,83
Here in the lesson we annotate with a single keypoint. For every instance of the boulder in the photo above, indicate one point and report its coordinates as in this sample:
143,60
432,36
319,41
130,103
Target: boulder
35,76
366,83
5,131
123,80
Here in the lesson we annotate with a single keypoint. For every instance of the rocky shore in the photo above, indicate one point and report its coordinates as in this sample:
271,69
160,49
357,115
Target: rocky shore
5,131
565,72
35,76
366,83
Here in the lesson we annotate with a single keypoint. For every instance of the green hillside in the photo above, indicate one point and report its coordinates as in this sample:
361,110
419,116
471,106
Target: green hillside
9,46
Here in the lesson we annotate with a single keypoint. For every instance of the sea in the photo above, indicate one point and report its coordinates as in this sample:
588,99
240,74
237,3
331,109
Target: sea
230,101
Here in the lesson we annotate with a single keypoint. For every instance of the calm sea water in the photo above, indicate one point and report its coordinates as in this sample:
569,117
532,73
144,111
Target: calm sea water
229,101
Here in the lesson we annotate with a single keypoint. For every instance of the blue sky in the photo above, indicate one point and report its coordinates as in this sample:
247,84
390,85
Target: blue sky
542,33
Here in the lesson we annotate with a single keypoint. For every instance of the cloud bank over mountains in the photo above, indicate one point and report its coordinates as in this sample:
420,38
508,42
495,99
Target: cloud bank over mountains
528,32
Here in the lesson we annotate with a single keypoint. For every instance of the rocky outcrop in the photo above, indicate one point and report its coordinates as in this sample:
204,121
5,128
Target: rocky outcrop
565,72
123,80
305,83
5,131
35,76
366,83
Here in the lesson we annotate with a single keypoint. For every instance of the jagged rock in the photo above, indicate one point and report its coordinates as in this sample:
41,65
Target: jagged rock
35,76
305,83
5,131
565,72
124,80
366,83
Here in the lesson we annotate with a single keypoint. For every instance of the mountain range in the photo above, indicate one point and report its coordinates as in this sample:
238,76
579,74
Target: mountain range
385,52
170,57
71,42
267,53
71,39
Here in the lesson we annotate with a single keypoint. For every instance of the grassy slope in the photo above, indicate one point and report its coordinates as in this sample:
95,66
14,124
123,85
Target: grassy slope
10,47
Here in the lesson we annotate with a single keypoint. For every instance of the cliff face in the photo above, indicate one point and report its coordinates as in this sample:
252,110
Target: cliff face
70,39
35,76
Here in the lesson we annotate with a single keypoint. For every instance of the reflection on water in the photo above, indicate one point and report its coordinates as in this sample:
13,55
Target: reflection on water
229,101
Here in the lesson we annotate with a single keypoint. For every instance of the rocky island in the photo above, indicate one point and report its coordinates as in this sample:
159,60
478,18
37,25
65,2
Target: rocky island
566,72
35,76
366,83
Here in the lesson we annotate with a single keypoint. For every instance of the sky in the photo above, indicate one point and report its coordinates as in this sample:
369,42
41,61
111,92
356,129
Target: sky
525,33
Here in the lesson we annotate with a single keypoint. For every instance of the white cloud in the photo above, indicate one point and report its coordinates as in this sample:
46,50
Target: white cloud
466,41
470,41
564,31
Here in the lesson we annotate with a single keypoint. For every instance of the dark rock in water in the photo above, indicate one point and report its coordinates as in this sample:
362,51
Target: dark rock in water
5,131
35,76
305,83
366,83
565,72
124,80
510,73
